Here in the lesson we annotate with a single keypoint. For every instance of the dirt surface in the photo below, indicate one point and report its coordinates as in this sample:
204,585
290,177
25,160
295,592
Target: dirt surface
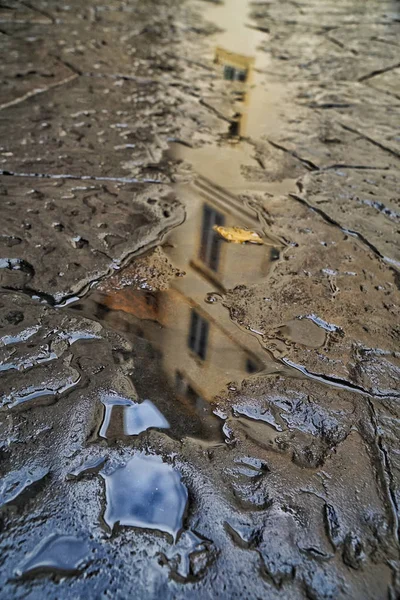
182,416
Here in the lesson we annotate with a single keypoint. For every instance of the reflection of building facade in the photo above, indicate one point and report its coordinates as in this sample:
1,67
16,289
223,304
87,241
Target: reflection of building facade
211,351
237,69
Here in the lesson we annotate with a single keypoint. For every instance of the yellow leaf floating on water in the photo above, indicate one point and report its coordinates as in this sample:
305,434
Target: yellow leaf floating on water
237,235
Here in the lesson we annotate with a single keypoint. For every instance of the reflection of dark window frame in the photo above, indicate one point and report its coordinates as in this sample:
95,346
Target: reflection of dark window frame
151,300
198,334
234,73
251,366
274,254
234,127
191,394
210,245
184,388
229,73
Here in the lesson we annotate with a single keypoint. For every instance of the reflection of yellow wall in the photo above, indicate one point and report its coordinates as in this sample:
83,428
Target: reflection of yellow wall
228,347
225,356
239,263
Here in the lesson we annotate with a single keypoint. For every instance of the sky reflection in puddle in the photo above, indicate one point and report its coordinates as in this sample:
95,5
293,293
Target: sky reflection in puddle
145,493
63,554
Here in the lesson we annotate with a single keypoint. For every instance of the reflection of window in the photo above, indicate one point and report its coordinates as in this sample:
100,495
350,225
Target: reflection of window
229,73
210,242
185,389
234,127
239,96
251,366
180,384
274,254
151,299
191,394
233,74
198,334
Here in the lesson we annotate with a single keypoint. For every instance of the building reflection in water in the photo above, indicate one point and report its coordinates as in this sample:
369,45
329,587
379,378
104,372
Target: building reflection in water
188,342
184,339
212,350
237,69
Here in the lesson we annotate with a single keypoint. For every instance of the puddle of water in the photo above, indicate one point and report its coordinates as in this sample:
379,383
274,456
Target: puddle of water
189,347
304,332
17,484
63,554
253,112
123,415
22,336
186,349
256,413
92,465
183,336
225,165
146,493
48,394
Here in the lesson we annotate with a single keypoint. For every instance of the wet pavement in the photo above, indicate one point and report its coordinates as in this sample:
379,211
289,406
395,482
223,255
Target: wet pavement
182,415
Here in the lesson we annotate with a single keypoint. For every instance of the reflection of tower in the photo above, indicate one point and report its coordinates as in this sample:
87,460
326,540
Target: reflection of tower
237,69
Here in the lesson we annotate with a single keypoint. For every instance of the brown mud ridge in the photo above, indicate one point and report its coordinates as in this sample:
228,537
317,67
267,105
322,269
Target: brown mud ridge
180,416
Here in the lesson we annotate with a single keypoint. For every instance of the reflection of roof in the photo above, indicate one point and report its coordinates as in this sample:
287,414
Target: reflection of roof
220,196
240,60
139,303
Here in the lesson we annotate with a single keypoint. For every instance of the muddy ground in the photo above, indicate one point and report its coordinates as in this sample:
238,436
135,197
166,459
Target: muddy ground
183,417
